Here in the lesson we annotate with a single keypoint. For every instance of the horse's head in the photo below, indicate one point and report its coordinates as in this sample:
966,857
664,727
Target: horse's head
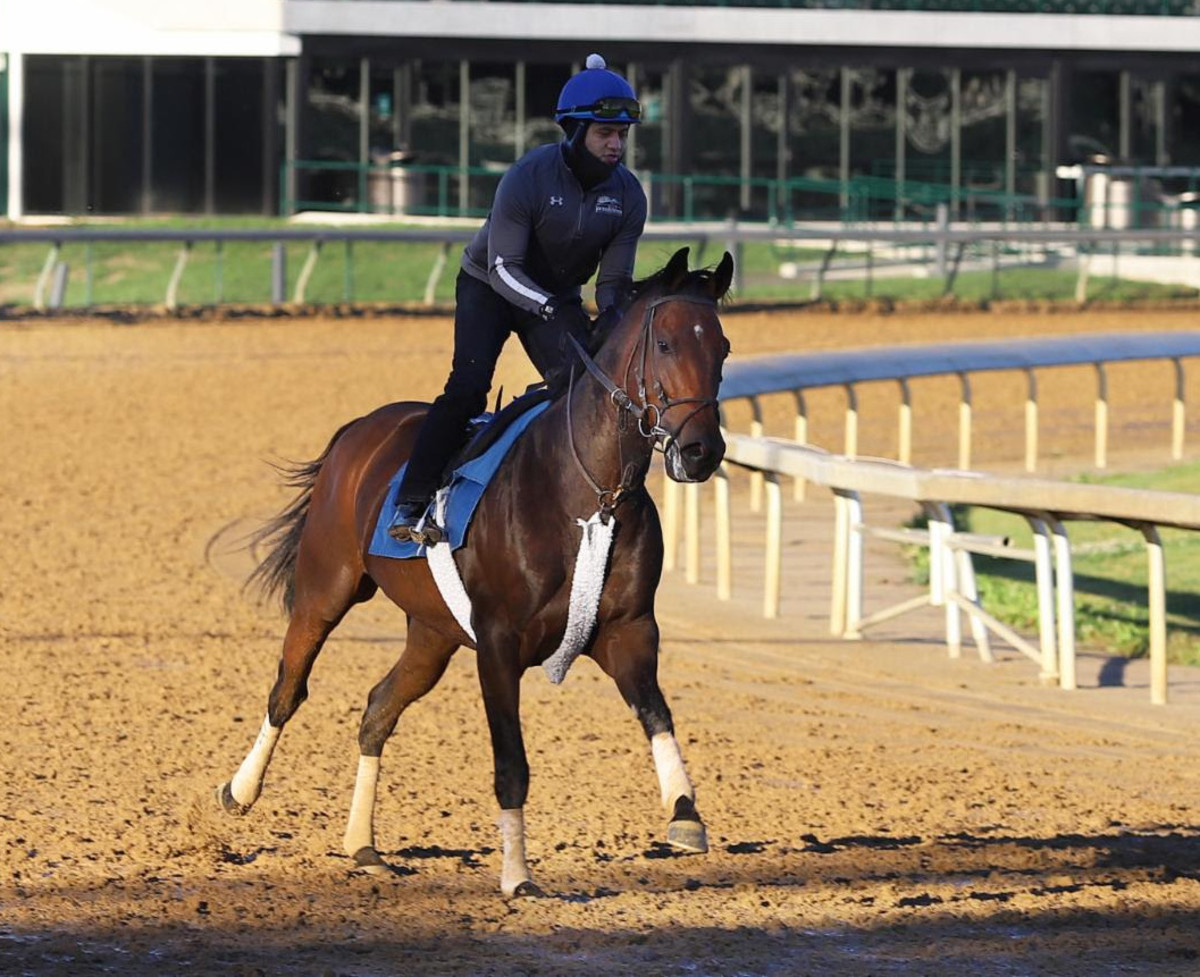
670,348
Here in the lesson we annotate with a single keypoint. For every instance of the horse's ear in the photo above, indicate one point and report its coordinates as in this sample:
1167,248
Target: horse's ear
722,278
676,270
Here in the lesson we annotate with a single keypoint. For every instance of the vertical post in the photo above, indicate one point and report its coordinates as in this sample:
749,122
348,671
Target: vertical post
800,432
943,226
1160,123
1101,416
851,434
904,436
1178,412
147,134
756,477
1031,421
291,137
844,143
15,108
782,149
464,136
210,135
1064,579
691,497
964,423
278,273
519,85
774,549
854,566
837,603
955,142
364,134
1010,142
1044,574
671,492
746,126
1157,582
723,519
1124,115
902,76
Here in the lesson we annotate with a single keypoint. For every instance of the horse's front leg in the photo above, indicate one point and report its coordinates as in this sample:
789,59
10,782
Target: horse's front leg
500,681
629,654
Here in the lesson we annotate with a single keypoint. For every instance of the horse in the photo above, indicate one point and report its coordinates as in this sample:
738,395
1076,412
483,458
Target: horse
652,384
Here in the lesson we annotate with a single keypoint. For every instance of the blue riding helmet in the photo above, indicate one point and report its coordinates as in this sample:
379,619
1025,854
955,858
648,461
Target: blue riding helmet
598,95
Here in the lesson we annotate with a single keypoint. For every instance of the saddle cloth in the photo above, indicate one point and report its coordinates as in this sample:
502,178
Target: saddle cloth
466,487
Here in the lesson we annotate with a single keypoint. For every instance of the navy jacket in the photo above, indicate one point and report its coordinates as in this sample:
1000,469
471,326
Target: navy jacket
546,236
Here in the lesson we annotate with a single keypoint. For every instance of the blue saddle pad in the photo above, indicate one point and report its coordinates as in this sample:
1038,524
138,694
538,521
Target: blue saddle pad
467,485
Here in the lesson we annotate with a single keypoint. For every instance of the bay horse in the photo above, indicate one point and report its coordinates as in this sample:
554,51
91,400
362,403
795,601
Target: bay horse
653,383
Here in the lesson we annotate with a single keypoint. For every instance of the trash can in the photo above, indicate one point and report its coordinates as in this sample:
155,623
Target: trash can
390,186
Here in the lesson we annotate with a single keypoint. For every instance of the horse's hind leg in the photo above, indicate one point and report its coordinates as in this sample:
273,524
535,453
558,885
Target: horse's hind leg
306,634
423,662
630,656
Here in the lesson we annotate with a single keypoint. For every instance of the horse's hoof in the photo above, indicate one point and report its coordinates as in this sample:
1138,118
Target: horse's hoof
688,836
368,862
528,890
229,804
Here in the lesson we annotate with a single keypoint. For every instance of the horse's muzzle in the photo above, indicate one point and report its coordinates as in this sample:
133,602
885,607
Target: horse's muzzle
696,460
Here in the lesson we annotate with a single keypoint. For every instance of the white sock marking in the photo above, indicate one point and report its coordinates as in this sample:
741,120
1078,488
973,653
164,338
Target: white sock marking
246,784
360,826
512,836
668,762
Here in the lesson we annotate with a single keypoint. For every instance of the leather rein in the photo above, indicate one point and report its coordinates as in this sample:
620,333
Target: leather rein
648,413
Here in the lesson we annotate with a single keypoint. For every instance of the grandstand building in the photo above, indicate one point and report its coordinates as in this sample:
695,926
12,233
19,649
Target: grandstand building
761,109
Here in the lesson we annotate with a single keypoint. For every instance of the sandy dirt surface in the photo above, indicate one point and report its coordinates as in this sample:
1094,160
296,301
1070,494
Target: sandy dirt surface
871,811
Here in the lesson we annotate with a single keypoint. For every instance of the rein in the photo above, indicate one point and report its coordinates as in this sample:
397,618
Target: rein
648,413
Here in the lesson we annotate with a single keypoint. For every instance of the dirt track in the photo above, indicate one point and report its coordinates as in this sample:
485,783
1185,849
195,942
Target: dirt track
870,812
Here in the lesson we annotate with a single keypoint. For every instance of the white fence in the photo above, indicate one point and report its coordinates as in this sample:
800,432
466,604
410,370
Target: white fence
1048,506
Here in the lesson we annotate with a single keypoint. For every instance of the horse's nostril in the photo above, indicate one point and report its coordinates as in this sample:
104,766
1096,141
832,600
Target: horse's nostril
696,451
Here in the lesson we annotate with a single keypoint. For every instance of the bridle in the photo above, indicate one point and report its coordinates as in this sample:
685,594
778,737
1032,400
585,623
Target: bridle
648,413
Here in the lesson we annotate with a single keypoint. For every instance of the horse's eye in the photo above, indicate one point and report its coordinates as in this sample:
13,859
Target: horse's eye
664,346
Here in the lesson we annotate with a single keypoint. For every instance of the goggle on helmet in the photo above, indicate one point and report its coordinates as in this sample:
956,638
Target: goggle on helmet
598,95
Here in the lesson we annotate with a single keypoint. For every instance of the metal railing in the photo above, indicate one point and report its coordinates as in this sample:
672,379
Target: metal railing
1046,505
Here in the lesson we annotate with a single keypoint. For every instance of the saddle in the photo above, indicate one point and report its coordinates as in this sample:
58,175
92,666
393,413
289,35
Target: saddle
487,429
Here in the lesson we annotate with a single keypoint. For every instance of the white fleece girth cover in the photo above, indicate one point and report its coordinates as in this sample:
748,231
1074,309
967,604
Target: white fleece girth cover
591,568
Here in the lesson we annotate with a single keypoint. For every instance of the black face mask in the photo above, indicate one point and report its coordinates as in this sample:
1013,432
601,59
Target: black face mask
588,170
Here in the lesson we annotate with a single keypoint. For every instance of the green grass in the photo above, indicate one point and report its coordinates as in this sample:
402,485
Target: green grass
240,273
1110,575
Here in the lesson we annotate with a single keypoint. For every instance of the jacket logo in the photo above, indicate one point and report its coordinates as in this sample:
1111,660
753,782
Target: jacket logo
556,201
608,205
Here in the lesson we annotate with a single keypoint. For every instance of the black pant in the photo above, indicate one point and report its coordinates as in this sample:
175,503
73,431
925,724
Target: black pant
483,321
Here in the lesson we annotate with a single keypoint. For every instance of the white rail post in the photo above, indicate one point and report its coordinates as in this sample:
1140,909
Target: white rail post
904,434
851,438
1178,413
1044,574
837,603
854,566
800,484
756,477
774,566
1157,585
1064,579
691,496
724,525
1031,422
941,526
671,492
964,423
970,591
1101,416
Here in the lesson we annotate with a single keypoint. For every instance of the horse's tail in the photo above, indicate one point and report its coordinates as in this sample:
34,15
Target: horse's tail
276,572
